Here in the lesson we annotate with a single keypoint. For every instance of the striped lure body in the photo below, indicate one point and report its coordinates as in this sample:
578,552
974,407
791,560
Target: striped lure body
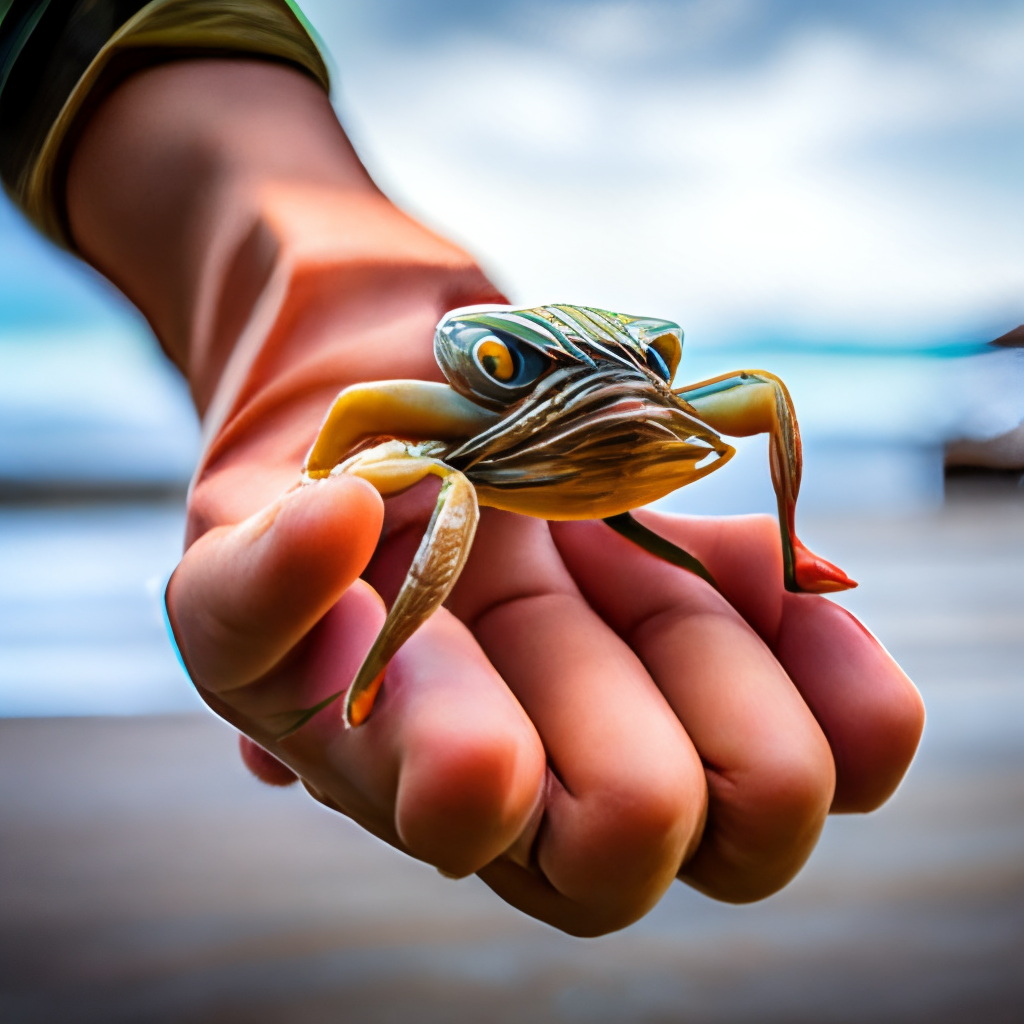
558,412
590,427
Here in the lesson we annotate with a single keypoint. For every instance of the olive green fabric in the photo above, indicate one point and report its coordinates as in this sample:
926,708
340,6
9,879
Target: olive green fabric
59,58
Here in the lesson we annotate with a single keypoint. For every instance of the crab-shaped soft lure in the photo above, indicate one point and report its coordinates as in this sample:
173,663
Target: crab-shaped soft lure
559,412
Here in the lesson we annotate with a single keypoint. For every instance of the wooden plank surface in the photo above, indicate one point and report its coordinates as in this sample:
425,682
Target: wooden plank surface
145,878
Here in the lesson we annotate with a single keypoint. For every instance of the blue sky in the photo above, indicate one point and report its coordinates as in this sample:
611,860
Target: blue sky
731,29
42,287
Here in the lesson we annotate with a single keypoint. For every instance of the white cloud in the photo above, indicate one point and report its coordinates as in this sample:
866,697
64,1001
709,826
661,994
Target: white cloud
730,198
627,30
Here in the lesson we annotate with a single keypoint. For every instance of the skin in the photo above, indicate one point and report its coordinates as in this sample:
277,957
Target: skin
582,723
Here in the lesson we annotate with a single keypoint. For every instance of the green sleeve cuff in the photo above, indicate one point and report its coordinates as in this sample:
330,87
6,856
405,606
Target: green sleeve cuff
60,58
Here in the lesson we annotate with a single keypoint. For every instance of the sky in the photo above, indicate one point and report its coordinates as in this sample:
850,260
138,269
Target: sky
761,170
822,173
782,178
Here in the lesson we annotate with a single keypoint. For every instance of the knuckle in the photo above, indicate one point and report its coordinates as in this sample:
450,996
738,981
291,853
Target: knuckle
658,816
640,832
764,822
633,851
470,803
796,789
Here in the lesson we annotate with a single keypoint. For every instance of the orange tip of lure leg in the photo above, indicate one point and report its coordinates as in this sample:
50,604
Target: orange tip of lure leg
358,709
816,576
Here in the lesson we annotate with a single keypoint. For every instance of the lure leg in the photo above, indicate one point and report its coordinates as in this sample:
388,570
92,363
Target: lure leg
414,409
635,531
756,402
394,467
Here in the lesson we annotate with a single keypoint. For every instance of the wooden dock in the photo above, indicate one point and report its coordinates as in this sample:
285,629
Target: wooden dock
144,877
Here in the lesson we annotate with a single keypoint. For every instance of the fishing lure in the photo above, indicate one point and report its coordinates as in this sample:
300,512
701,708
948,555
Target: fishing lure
559,412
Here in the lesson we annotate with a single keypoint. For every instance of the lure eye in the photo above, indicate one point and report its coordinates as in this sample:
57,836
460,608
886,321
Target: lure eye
508,362
663,353
495,359
657,364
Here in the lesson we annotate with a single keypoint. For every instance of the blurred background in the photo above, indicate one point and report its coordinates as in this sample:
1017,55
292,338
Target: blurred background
830,191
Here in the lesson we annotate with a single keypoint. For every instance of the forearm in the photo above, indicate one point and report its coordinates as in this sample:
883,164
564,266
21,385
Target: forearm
226,202
165,184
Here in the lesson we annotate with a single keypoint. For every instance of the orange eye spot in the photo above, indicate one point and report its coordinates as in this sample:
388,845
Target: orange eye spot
494,359
670,349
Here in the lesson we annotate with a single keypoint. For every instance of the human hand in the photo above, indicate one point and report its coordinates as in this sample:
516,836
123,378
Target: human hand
684,731
582,722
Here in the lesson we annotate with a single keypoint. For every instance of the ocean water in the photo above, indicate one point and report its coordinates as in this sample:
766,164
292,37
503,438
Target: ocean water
81,628
97,442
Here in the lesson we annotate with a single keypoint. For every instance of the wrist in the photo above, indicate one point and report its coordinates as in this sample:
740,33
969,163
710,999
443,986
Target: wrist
225,201
353,293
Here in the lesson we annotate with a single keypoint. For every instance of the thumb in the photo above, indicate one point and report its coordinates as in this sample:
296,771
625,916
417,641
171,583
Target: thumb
244,595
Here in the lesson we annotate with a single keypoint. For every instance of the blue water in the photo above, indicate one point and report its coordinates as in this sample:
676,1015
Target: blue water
828,192
80,623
